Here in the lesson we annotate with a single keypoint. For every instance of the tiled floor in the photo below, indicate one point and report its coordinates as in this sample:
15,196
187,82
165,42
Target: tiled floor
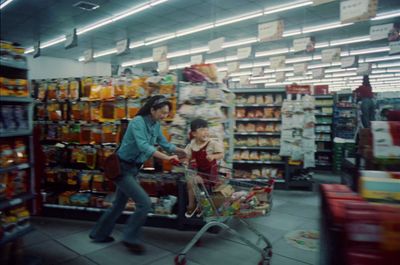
58,241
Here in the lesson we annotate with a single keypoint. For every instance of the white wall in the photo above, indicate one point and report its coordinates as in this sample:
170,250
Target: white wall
49,67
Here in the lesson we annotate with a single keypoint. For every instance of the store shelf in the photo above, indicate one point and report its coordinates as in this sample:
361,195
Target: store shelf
259,90
258,105
323,106
324,151
4,204
93,209
323,96
258,147
258,133
257,119
324,114
15,133
21,232
323,123
260,179
18,65
16,99
15,167
323,132
257,162
317,140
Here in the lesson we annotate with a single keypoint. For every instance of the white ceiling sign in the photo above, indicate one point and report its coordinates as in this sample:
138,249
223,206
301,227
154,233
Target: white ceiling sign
88,55
215,45
349,61
280,76
160,53
318,73
270,31
357,10
300,68
364,69
300,44
320,2
330,55
71,39
257,71
380,32
243,53
196,59
394,47
277,62
244,80
233,67
163,66
122,46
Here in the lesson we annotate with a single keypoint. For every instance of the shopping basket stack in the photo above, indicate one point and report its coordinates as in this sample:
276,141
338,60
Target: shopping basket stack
222,199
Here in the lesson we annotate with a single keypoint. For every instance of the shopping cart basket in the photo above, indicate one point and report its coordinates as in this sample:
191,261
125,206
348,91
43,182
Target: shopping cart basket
230,198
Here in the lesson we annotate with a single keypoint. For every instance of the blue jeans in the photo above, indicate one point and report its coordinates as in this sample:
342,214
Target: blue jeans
127,187
367,112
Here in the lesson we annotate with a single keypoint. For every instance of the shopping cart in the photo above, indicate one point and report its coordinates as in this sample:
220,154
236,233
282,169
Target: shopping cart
229,199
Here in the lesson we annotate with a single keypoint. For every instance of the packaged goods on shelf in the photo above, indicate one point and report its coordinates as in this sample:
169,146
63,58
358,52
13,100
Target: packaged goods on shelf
382,186
386,139
13,118
11,52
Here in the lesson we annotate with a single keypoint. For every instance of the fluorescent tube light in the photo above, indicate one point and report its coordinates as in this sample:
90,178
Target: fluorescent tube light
291,33
216,60
380,59
321,45
242,17
104,53
194,29
130,12
272,52
284,7
350,40
384,65
177,54
371,50
136,44
52,42
239,42
94,26
325,27
5,3
386,15
167,37
298,60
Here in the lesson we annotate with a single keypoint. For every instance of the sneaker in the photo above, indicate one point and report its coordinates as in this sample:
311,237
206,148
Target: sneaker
137,249
105,240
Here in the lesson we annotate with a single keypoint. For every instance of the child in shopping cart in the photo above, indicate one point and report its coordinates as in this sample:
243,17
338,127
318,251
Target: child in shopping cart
203,154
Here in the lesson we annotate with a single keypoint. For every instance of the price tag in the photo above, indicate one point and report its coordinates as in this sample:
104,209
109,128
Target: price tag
357,10
280,76
301,44
36,50
257,71
215,45
394,47
243,53
270,31
16,201
160,53
318,73
380,32
364,69
163,66
88,55
244,80
196,59
299,69
330,55
122,46
277,62
233,67
349,61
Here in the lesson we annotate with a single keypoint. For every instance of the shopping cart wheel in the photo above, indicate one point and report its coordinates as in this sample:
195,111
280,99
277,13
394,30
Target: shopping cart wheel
180,260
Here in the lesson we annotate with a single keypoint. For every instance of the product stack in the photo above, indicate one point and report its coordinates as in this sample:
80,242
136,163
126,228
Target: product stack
16,161
258,127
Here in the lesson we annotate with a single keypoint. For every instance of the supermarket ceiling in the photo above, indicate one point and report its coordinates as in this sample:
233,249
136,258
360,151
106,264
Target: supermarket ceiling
186,27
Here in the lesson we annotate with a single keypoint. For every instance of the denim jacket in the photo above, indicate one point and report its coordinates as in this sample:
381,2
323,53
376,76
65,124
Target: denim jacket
140,137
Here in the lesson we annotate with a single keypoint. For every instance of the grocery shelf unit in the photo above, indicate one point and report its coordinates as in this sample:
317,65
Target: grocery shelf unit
323,131
17,180
257,135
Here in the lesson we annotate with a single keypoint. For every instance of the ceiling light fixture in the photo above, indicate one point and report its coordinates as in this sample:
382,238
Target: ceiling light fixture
52,42
371,50
325,27
386,15
166,37
284,7
242,17
194,29
350,40
5,3
239,43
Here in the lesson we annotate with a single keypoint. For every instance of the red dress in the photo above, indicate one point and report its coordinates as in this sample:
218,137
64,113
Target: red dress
209,168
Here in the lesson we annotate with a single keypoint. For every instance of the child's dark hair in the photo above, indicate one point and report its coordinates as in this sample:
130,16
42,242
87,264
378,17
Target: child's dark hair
198,124
154,102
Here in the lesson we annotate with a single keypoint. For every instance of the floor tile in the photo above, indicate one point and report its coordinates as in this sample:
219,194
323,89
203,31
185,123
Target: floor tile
299,210
51,252
35,237
119,254
169,260
79,261
280,220
81,243
282,248
52,227
281,260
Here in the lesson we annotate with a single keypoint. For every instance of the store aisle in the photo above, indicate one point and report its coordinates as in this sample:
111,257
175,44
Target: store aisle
66,242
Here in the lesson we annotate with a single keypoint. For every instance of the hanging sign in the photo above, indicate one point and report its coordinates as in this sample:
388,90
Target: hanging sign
36,50
357,10
364,69
244,80
233,67
160,53
301,44
88,55
243,53
321,89
196,59
296,89
122,46
270,31
380,32
277,62
349,61
215,45
71,39
330,55
163,67
257,71
318,73
394,47
280,76
299,69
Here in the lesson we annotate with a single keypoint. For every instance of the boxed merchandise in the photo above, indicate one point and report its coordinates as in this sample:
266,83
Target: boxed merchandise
380,185
386,139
